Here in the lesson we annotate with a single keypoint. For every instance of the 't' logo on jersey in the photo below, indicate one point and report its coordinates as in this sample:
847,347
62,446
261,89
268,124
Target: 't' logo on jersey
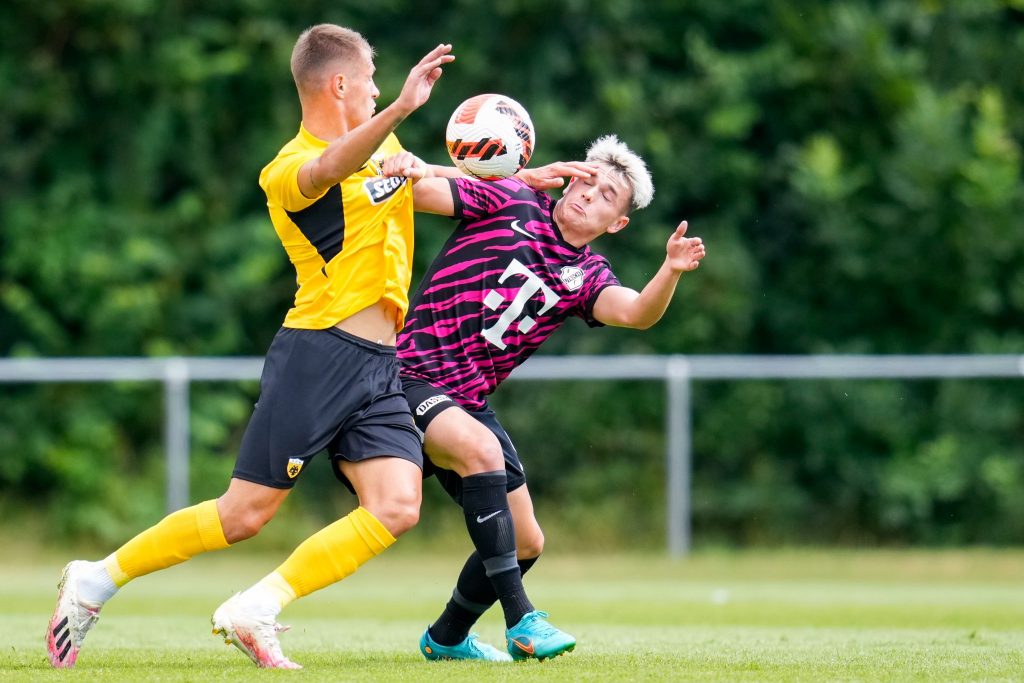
514,312
379,189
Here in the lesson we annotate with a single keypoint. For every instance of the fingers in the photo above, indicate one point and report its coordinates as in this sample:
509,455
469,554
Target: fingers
681,229
575,169
436,57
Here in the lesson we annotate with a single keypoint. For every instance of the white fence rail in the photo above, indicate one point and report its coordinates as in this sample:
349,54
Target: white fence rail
677,372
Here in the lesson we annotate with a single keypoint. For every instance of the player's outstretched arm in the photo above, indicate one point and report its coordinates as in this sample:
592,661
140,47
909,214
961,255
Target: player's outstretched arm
347,154
625,307
430,192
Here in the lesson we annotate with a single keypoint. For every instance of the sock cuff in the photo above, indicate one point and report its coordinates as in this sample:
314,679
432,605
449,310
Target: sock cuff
485,480
374,534
283,591
467,604
113,567
211,532
499,564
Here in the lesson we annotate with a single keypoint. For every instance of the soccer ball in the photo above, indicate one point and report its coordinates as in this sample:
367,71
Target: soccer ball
490,137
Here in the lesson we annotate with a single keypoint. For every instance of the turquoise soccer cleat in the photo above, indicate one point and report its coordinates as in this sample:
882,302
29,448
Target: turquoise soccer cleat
470,648
534,637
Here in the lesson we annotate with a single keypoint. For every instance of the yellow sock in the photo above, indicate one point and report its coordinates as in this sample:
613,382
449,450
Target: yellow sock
174,539
331,554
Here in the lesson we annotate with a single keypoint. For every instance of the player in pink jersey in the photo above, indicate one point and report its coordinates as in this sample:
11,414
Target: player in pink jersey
515,268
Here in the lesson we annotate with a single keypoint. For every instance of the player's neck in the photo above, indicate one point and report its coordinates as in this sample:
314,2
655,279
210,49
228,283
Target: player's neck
570,236
322,123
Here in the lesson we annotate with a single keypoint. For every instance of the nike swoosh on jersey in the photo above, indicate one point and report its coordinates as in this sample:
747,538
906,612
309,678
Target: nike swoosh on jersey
521,231
481,520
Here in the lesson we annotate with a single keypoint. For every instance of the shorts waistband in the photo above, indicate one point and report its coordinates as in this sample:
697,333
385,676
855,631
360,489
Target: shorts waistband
365,344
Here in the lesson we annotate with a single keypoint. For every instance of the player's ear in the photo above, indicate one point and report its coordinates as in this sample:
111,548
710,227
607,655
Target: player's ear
338,85
620,223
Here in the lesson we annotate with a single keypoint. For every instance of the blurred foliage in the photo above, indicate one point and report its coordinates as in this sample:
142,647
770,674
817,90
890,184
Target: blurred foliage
854,166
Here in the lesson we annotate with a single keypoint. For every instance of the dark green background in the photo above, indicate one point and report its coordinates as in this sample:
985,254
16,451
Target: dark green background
854,168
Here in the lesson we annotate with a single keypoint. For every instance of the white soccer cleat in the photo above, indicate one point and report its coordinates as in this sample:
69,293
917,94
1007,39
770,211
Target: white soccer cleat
71,619
252,633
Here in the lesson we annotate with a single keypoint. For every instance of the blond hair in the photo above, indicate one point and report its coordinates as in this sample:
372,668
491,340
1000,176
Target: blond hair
321,45
613,152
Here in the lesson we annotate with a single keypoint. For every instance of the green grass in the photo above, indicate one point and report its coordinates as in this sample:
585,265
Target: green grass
747,616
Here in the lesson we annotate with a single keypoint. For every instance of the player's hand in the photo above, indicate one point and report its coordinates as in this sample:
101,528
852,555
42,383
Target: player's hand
422,77
406,165
553,175
684,253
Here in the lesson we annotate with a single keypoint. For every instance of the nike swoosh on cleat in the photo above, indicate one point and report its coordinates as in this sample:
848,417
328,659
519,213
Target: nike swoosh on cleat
521,231
527,648
481,520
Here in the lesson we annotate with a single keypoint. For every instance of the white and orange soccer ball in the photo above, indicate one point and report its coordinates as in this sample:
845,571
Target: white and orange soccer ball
490,137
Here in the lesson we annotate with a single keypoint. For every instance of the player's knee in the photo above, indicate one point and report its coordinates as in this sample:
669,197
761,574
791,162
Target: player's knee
243,524
483,456
530,545
399,513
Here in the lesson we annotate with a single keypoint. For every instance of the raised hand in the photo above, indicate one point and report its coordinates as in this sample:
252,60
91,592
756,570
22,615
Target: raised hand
553,175
684,253
422,77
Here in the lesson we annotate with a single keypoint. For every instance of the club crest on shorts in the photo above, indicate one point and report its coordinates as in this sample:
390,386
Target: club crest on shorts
572,277
294,467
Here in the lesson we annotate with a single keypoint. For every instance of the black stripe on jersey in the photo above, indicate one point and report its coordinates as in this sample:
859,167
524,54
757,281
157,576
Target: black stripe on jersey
323,223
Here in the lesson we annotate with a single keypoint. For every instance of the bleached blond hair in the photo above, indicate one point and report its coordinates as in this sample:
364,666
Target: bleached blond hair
609,150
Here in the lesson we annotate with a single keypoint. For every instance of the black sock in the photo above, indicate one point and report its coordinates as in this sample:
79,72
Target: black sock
473,595
489,520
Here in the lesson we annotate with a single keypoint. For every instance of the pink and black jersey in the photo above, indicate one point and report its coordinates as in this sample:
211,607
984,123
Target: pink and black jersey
502,284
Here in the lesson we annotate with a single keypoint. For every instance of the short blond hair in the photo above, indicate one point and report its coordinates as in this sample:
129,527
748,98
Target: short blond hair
613,152
321,45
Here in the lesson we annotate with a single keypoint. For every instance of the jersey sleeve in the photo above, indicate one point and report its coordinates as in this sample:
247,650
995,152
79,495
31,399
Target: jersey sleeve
475,199
599,276
280,180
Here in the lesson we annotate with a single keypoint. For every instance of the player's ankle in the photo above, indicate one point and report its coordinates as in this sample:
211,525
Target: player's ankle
95,585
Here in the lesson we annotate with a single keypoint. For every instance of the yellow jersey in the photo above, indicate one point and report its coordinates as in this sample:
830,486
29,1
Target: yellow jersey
352,245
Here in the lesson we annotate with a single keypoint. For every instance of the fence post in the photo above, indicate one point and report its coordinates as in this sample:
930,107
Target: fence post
678,448
176,431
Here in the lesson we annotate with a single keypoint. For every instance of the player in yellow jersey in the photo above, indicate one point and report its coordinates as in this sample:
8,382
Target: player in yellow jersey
331,376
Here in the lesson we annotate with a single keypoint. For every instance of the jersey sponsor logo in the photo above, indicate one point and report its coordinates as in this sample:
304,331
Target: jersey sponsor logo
294,467
422,408
522,231
379,189
514,312
571,277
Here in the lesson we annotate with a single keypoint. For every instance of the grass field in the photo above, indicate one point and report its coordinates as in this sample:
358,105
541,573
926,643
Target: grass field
751,616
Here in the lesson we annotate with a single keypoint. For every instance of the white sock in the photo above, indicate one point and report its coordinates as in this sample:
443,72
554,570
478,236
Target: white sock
95,584
261,600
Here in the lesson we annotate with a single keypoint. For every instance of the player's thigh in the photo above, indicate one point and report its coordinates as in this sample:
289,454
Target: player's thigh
455,440
390,488
529,535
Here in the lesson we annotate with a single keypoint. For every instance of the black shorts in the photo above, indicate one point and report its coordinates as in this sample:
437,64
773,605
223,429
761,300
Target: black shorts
426,402
325,389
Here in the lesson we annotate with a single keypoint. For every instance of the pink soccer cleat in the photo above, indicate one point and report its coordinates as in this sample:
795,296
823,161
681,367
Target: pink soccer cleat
252,633
71,619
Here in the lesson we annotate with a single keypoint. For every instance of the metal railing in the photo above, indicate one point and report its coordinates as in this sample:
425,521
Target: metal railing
676,371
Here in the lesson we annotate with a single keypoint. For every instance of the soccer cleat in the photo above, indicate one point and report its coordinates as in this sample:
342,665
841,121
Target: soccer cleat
71,619
470,648
534,637
253,634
